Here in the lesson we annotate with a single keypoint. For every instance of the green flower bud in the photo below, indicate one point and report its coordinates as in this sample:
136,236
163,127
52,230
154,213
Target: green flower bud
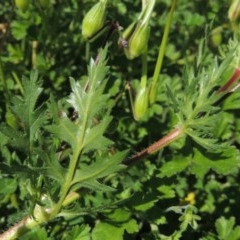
138,41
44,3
216,36
234,10
141,103
22,4
93,21
122,42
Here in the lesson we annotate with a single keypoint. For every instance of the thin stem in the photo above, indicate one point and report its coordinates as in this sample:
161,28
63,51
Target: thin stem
68,180
16,78
146,13
129,88
161,143
163,43
4,84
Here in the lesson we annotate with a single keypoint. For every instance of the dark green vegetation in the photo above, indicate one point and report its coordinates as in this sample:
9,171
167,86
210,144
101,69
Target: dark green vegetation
72,158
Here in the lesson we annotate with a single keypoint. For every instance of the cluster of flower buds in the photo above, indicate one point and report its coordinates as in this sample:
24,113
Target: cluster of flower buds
133,40
94,20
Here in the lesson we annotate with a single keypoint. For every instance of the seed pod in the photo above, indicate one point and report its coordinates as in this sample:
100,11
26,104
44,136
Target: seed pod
94,19
141,103
44,3
234,10
138,41
22,4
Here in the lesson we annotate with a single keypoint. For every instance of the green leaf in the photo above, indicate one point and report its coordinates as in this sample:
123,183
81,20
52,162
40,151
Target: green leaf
66,131
103,167
94,139
31,117
224,164
232,102
121,222
36,234
174,166
19,29
143,201
79,233
52,167
131,226
15,138
90,102
225,228
93,185
167,191
23,171
103,231
8,185
123,217
195,105
210,144
235,234
25,109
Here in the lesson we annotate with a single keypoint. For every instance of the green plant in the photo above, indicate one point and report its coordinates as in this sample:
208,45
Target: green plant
74,164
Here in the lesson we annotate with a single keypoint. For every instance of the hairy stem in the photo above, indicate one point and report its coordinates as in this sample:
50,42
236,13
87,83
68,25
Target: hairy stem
161,143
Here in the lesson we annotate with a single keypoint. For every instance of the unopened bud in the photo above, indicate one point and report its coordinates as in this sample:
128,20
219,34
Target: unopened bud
22,4
234,10
138,40
123,41
216,36
141,103
93,21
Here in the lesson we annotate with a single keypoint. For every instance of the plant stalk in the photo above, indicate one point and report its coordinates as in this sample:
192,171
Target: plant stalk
161,143
161,53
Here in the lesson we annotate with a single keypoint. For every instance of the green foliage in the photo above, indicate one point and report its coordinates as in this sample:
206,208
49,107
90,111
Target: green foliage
106,230
225,229
79,233
70,149
38,234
